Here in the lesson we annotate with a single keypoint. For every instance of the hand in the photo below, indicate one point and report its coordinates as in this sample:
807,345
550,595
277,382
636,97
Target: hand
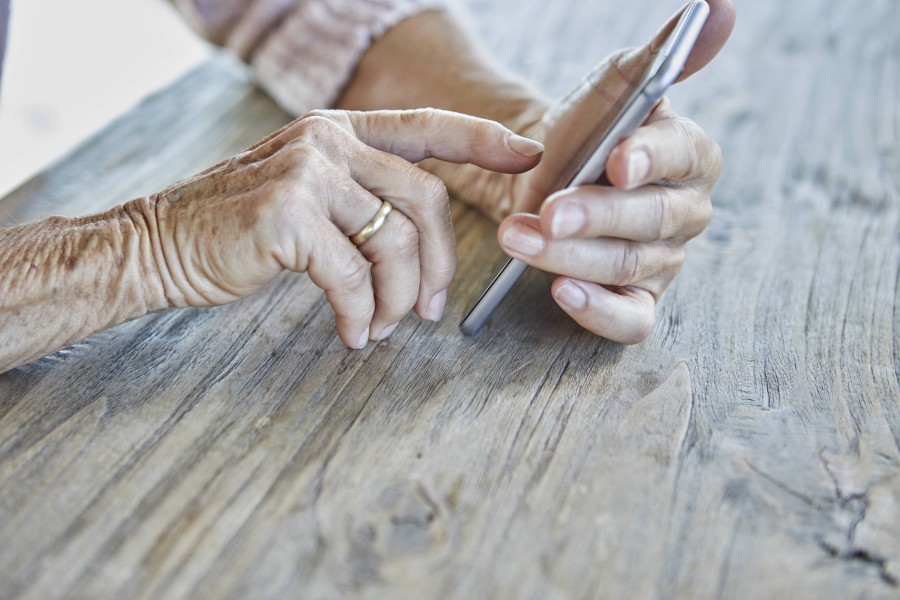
616,248
291,201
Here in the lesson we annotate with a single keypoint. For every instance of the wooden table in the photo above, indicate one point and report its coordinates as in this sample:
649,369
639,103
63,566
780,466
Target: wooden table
749,448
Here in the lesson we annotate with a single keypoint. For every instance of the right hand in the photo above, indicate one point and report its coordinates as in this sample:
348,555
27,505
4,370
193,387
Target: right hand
292,200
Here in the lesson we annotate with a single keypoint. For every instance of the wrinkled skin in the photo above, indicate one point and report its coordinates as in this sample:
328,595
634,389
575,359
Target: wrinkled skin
615,248
291,202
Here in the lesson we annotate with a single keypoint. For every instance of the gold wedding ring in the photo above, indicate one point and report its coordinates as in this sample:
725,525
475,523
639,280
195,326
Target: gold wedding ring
374,225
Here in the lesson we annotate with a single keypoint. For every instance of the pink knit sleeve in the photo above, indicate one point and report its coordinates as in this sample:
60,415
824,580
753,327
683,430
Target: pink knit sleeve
303,52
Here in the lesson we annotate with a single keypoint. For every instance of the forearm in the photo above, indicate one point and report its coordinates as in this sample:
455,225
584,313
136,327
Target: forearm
432,60
64,279
313,53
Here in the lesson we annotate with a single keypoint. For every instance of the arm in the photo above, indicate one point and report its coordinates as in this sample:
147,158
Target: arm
226,232
616,249
63,279
289,202
401,70
303,52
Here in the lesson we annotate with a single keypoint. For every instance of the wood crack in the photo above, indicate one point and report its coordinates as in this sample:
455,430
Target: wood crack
856,504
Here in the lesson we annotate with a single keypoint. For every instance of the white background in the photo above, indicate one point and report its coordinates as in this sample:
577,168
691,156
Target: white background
73,66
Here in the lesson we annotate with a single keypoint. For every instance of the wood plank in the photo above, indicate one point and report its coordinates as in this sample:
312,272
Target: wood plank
750,448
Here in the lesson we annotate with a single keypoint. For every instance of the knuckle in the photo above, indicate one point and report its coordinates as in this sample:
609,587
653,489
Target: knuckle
355,273
317,125
446,266
699,215
434,193
426,121
485,129
669,265
691,141
676,259
340,118
416,116
611,212
405,241
663,215
310,123
627,264
706,159
442,269
320,113
426,114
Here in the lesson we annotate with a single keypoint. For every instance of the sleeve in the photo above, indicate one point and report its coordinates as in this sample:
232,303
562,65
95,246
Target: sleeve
303,52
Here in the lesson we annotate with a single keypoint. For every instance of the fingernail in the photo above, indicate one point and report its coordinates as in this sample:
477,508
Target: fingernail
524,146
523,240
571,295
568,220
638,166
387,331
435,309
363,340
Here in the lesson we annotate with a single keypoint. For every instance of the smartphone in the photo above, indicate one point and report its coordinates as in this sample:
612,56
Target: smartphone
589,164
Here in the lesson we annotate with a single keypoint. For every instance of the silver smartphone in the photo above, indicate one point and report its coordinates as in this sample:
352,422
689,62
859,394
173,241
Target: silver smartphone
589,164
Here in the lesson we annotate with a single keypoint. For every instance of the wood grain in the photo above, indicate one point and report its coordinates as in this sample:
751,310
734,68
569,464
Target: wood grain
750,448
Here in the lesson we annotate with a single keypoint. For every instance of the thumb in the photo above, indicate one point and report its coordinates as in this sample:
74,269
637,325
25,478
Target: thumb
715,33
572,121
630,64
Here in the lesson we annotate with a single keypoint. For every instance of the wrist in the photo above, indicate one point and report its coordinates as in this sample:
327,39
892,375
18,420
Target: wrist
63,279
134,278
157,288
399,72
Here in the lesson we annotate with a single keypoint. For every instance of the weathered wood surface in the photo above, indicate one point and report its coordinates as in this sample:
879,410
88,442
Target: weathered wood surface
750,448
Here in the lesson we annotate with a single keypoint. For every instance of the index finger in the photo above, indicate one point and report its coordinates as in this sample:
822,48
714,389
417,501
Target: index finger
416,135
431,133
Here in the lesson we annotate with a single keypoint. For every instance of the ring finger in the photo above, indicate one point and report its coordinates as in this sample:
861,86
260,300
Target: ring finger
393,252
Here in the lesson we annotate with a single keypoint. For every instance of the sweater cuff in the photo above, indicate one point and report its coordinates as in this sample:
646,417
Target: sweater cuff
309,57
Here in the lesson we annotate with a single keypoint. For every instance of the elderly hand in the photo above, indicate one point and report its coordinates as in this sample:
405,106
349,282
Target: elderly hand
616,248
291,201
